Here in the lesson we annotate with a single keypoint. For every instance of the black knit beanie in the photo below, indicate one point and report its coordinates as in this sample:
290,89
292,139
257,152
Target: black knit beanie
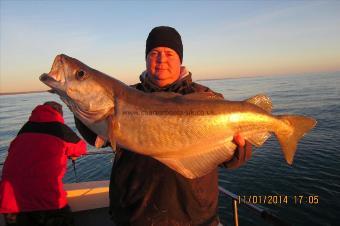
164,36
56,106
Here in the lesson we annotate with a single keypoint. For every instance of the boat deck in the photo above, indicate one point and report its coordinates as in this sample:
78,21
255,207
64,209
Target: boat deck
89,202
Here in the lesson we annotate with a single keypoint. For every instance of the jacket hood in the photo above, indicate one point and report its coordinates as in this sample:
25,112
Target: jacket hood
45,113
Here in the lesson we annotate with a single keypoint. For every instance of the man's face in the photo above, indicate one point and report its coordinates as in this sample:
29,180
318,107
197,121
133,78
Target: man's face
163,66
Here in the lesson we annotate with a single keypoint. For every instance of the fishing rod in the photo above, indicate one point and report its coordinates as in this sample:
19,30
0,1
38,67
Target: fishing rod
74,169
87,154
97,153
74,160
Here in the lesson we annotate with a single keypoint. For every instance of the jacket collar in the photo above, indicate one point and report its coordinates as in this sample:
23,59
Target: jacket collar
184,80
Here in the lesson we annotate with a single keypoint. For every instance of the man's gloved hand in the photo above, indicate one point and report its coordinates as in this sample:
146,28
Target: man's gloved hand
242,153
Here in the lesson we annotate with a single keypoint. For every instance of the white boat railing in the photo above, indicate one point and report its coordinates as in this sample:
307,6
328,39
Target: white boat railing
264,214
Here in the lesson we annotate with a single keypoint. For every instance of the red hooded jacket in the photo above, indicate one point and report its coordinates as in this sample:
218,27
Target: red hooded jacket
36,163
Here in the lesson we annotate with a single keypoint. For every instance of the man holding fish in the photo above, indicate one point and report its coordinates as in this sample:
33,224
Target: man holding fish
144,191
169,133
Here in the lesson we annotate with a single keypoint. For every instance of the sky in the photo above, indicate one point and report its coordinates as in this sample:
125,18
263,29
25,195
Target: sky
221,38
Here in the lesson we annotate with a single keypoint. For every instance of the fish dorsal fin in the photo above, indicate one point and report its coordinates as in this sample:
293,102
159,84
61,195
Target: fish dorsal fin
198,163
166,94
262,101
190,96
201,96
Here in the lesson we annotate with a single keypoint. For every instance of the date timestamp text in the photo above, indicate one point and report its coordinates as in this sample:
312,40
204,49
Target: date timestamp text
278,199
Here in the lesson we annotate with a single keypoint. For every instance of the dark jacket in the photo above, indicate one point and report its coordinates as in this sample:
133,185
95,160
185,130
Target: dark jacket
36,163
145,192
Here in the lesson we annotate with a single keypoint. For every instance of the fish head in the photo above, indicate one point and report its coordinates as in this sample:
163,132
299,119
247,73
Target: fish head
85,91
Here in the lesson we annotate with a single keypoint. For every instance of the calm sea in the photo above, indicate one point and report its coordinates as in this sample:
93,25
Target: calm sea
315,174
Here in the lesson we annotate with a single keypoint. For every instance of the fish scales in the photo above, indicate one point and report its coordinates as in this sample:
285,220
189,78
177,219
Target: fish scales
192,134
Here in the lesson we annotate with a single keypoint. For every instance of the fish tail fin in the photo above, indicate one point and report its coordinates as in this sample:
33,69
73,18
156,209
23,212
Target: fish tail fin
288,139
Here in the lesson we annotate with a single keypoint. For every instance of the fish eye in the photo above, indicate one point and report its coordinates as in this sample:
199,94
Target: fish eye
80,75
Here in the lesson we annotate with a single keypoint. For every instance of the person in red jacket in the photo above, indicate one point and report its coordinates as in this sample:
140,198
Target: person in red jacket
31,189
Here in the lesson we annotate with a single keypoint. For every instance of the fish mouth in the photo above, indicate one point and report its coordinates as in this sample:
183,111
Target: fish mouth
55,78
51,82
57,87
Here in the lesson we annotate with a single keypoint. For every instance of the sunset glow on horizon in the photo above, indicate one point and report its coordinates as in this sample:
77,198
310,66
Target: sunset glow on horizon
221,38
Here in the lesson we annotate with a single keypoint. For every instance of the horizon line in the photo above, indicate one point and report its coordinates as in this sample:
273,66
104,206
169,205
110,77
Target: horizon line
208,79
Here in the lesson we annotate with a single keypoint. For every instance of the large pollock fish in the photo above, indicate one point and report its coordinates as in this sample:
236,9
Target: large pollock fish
192,134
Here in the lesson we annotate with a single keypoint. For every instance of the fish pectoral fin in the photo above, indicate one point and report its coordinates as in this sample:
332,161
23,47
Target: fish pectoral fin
100,142
113,130
199,164
113,144
262,101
